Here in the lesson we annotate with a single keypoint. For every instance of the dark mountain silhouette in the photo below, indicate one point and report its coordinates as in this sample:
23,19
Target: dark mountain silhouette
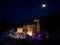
51,22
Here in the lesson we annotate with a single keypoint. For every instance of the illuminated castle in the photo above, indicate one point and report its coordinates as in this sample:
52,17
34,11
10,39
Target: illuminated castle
28,30
31,29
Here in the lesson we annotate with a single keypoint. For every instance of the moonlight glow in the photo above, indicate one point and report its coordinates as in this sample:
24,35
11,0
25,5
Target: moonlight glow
43,5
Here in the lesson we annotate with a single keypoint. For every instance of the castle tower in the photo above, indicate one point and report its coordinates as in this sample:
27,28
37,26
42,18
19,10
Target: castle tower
37,24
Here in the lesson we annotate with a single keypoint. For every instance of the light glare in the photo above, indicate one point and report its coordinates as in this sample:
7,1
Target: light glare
43,5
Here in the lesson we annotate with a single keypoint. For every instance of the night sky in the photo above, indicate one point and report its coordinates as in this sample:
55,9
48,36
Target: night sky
20,10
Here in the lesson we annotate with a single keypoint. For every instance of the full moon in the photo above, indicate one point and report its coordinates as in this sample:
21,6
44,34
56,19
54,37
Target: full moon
43,5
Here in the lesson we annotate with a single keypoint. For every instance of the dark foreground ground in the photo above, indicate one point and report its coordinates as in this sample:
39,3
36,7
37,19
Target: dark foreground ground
11,41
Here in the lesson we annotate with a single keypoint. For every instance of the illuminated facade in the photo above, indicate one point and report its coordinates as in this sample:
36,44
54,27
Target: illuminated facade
19,30
31,29
26,29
